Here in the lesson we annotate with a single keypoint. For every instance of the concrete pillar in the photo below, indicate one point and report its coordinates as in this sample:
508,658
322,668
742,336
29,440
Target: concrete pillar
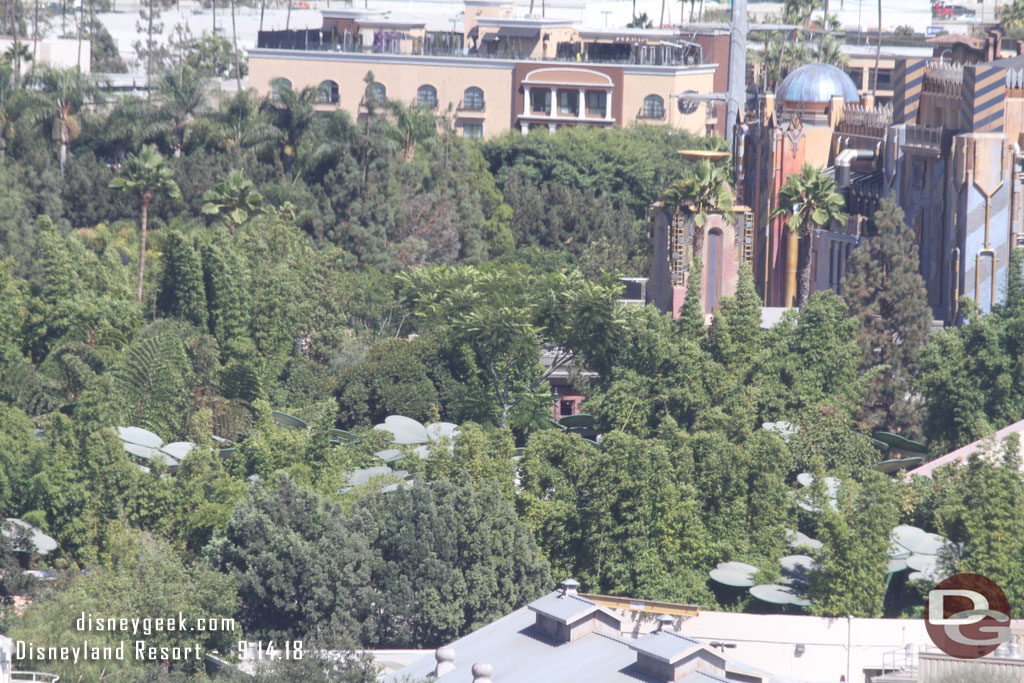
608,107
554,101
582,109
526,100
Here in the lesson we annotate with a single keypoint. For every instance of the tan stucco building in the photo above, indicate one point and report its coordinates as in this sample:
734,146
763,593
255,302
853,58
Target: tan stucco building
498,73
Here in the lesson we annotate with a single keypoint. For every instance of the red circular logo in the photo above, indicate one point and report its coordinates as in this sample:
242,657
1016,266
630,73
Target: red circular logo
967,616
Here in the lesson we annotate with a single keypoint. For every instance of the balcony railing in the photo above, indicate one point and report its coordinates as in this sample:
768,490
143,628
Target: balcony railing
403,44
924,137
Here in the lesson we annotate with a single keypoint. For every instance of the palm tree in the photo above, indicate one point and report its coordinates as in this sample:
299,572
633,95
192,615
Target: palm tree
182,92
146,175
811,199
234,199
17,53
291,114
703,190
1011,18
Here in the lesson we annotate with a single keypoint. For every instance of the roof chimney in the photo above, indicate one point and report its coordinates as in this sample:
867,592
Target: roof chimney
481,673
665,621
570,586
445,657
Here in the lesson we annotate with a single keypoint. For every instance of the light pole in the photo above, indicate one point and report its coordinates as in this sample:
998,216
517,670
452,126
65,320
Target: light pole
606,12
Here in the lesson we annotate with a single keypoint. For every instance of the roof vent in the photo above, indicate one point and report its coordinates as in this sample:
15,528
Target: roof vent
665,621
481,673
445,657
570,587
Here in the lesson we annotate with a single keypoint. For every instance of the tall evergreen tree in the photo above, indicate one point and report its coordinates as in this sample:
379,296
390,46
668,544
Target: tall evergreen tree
1013,296
886,294
737,324
182,293
691,315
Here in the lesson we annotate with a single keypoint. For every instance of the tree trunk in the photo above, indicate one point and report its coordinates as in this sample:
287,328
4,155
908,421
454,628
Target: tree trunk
81,30
213,4
149,74
17,52
804,268
824,28
142,243
698,243
35,35
234,48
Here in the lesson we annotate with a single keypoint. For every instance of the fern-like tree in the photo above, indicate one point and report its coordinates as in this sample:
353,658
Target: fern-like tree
811,200
146,175
702,191
1011,18
233,200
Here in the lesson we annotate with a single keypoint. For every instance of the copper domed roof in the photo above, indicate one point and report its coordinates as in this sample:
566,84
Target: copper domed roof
817,83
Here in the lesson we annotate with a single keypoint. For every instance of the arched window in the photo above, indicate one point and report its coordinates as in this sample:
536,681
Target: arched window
277,86
426,96
473,99
714,270
654,107
379,92
328,93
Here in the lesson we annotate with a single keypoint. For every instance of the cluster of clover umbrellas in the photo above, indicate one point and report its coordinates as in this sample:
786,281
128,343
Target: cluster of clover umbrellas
406,431
149,447
27,538
911,548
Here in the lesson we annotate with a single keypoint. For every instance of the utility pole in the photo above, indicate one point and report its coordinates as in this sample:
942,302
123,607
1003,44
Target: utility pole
737,84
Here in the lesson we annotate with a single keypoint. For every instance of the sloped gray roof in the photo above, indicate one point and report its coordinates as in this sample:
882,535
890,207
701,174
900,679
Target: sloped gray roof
519,652
566,608
666,646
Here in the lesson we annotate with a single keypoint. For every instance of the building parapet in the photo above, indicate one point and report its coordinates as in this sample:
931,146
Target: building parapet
1015,82
943,78
859,120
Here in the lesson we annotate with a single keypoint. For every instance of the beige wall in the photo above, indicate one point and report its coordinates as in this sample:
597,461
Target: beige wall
59,53
638,84
402,80
404,75
484,8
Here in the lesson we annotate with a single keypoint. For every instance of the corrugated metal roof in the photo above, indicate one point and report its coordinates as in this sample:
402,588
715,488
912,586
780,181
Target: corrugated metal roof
702,677
518,651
